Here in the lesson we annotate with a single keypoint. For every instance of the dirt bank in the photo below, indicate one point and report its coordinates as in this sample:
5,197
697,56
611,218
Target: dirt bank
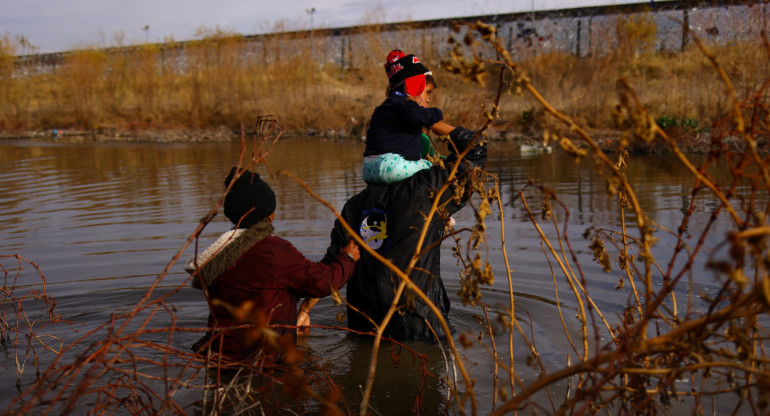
607,140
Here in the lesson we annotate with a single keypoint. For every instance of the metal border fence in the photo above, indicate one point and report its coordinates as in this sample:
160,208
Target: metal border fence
584,32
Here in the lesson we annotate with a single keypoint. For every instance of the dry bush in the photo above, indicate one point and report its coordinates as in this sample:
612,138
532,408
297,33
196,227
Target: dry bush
27,319
719,349
15,100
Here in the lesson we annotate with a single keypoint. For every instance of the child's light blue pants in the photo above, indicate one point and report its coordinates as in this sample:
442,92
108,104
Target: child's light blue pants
389,168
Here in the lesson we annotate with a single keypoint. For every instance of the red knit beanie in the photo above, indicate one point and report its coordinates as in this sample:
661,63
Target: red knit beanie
407,69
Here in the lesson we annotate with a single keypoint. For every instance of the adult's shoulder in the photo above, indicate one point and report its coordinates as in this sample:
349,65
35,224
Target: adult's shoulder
423,181
278,241
421,184
274,245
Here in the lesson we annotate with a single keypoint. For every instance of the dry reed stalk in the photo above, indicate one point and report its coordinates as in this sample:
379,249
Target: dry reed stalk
20,325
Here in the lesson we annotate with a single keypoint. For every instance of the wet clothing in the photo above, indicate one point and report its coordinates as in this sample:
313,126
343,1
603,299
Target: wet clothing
396,127
389,218
254,266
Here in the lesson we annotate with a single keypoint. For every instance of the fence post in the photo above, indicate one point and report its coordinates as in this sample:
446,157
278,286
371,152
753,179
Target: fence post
510,38
578,38
685,27
163,60
590,35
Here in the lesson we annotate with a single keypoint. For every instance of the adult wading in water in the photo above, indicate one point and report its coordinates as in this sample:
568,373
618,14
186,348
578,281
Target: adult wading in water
254,277
389,219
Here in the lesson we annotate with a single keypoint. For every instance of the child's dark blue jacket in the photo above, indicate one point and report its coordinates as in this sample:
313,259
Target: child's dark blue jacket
396,127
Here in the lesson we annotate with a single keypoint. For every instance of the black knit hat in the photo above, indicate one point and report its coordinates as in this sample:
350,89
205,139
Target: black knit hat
399,67
248,191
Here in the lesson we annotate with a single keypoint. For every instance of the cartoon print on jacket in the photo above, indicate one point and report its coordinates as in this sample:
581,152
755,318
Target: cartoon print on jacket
374,229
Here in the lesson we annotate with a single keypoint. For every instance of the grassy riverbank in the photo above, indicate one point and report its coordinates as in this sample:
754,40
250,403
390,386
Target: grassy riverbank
221,85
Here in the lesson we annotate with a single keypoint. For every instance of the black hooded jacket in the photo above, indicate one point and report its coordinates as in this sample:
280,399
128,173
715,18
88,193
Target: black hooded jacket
389,218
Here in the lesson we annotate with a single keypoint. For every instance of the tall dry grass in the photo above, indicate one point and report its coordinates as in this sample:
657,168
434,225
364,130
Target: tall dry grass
226,80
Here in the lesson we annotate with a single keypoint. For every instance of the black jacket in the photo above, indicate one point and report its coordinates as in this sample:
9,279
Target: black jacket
389,218
396,127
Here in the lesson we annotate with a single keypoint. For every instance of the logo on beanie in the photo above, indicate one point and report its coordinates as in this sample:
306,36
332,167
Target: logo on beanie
393,69
374,229
399,67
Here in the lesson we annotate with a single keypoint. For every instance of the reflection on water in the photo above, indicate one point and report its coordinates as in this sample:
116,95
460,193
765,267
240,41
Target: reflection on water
102,220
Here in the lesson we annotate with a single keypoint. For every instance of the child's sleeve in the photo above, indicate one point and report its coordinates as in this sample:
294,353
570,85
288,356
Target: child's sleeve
424,117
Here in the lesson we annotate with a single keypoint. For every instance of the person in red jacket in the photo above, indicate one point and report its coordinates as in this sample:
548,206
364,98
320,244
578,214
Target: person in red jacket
255,278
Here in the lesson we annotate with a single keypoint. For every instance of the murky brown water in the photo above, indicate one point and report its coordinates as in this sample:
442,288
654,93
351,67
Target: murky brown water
102,220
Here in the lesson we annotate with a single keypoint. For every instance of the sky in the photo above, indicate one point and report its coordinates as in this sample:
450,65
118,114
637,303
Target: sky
56,25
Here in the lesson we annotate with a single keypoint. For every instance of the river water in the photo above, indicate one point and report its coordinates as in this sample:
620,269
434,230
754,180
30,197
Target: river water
103,220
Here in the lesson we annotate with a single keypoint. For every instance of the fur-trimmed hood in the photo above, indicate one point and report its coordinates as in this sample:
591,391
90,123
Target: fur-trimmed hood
228,248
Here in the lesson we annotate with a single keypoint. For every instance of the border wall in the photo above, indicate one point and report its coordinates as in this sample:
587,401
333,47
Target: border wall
584,32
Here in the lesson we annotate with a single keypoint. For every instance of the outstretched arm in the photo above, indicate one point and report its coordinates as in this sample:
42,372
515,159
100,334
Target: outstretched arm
338,238
442,128
303,316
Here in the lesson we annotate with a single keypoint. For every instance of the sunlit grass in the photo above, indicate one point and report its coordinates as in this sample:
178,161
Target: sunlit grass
313,82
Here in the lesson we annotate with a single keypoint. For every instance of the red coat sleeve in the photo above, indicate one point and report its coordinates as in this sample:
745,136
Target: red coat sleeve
307,278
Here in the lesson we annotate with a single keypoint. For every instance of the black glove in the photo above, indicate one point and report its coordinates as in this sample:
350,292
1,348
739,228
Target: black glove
462,138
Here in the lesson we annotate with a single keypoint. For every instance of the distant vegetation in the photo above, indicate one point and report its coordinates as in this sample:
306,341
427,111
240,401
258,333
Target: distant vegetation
223,81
